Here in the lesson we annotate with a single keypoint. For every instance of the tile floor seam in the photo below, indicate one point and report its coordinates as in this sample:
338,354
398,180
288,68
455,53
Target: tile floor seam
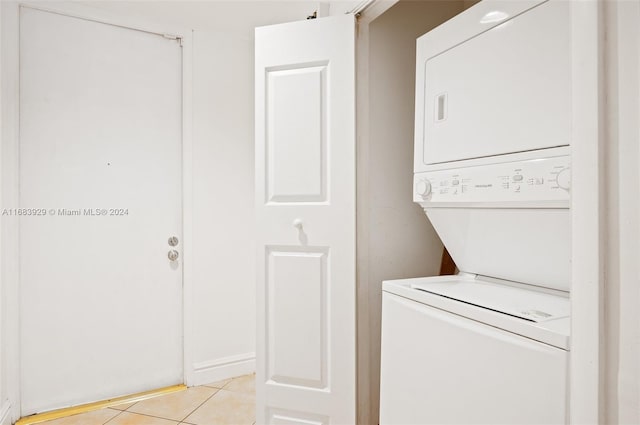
117,414
194,410
122,410
224,393
133,404
222,380
200,405
236,391
151,416
187,423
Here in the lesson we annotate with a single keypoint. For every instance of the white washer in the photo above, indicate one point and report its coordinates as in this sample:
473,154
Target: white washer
492,173
446,361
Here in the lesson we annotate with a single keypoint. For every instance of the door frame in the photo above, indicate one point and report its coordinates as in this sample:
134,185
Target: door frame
366,13
586,378
10,183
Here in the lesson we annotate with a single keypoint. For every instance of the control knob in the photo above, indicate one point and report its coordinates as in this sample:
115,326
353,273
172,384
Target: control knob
564,178
423,188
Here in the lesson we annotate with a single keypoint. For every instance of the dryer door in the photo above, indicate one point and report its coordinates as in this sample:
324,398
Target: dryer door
440,368
501,91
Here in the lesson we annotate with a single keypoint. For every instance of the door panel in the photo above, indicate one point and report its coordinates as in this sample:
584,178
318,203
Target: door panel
300,275
100,133
290,417
296,148
305,222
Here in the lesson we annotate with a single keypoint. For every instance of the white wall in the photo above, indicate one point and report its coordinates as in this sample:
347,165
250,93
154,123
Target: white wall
224,281
400,241
8,293
238,17
4,403
622,275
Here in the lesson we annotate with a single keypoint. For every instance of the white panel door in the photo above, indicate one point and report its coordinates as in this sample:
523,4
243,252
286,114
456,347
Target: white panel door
305,227
100,164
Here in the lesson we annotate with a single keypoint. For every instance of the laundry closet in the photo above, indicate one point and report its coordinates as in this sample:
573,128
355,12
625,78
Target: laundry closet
334,217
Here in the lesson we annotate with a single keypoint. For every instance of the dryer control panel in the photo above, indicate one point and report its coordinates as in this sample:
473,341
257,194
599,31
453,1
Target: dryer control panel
544,181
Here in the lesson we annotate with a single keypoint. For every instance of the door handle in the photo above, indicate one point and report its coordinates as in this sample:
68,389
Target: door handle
173,255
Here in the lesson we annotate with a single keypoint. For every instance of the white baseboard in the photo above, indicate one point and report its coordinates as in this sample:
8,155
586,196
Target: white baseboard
224,368
5,414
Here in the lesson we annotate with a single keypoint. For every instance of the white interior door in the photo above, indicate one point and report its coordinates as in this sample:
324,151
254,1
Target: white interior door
100,165
305,206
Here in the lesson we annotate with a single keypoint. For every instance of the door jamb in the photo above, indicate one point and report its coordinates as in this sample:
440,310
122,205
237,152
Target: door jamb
9,287
588,215
365,411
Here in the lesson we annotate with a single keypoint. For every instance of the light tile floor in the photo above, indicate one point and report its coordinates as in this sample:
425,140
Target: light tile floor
229,402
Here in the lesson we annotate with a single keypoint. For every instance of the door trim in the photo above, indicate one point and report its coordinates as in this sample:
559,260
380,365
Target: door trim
588,204
365,411
9,174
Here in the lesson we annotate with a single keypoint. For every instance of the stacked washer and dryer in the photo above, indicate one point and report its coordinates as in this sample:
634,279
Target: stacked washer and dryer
492,172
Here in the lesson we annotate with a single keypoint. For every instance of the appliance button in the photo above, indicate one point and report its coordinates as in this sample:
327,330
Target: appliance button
518,178
423,188
564,178
455,182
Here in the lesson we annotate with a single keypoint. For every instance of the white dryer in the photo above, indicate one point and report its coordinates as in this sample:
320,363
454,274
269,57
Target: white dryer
492,173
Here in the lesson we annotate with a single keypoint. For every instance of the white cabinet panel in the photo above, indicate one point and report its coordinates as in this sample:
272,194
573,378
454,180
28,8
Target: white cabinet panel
520,244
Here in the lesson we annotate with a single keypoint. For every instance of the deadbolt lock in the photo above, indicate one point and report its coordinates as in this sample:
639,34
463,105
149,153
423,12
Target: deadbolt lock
173,241
173,255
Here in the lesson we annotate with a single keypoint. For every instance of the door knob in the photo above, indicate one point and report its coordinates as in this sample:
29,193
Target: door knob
173,255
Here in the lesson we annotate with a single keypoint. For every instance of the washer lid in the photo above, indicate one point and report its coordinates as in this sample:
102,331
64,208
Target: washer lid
523,303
